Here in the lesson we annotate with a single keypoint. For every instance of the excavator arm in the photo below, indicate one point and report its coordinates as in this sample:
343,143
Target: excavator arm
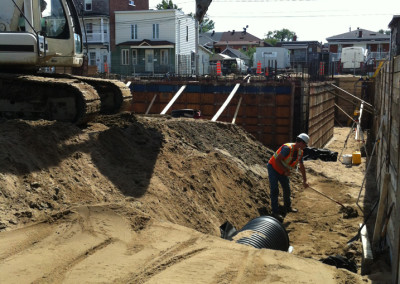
201,9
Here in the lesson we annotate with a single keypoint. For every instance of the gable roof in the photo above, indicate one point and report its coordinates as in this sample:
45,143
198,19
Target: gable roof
238,36
359,35
209,38
235,53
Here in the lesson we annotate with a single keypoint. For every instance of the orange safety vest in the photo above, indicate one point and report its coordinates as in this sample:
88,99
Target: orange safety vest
288,161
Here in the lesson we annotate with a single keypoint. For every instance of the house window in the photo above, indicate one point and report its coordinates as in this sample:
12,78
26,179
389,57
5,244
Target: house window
156,31
88,5
89,28
134,32
164,56
131,3
125,56
92,58
187,33
134,56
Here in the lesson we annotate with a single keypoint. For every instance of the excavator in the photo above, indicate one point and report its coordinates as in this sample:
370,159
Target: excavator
35,34
38,34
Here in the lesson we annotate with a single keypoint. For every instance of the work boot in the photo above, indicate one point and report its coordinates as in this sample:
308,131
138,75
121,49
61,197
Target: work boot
277,216
291,209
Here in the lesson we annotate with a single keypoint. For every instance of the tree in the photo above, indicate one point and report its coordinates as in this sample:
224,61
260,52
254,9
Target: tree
272,37
206,25
250,53
381,31
167,4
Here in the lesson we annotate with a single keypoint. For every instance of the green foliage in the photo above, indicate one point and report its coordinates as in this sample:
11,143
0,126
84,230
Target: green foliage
167,4
272,37
381,31
250,53
206,25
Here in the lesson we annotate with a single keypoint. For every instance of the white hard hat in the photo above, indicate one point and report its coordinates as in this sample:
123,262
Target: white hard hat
304,137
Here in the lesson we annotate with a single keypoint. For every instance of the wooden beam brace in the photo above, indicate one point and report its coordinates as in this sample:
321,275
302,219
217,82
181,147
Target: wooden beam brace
222,108
164,111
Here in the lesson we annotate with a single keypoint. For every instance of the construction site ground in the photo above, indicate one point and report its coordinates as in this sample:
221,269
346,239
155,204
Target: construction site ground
140,199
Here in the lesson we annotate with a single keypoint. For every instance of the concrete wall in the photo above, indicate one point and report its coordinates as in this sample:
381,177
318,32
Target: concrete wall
386,129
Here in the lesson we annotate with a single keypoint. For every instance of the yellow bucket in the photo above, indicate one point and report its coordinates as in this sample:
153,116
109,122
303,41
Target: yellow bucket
356,158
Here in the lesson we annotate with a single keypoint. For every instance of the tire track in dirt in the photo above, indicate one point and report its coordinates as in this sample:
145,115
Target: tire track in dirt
171,256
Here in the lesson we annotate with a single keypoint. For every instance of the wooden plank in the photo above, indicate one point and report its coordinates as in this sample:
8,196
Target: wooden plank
381,211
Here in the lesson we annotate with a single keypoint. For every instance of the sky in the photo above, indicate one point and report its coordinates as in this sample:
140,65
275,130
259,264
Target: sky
309,19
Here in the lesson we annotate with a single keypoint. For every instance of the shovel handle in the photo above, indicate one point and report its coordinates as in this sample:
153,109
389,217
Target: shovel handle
323,194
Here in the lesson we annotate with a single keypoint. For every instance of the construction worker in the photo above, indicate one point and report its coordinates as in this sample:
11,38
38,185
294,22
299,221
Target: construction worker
279,167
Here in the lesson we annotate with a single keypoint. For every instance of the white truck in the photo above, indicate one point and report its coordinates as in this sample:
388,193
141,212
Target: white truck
353,58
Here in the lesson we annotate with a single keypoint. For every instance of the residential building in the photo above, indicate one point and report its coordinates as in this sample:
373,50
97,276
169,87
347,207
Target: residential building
204,60
376,43
154,42
96,26
303,54
124,5
219,41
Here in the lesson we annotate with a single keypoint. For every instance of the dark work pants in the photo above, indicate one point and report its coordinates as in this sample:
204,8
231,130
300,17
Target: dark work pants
274,178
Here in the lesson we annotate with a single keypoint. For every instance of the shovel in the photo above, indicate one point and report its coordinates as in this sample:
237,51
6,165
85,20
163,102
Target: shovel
330,198
348,211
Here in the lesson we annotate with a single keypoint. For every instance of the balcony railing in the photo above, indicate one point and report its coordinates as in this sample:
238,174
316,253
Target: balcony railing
98,38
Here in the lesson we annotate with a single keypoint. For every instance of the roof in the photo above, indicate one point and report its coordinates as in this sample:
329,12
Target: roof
218,56
206,50
146,42
393,22
366,35
236,53
208,39
238,36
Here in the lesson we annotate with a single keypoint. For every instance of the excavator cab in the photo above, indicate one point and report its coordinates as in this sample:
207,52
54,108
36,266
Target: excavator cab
40,33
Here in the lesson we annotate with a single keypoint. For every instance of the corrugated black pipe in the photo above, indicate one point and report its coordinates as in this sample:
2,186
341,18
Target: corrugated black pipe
268,233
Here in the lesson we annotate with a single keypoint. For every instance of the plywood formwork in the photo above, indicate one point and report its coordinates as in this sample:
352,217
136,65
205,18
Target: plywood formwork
321,108
273,112
354,86
387,103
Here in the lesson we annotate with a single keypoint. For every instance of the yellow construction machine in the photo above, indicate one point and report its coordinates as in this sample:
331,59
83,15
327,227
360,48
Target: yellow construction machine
36,34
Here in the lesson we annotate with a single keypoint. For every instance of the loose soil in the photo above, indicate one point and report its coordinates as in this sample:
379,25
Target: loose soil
140,199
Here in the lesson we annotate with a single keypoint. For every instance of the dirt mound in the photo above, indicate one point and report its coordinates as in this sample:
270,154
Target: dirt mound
48,166
141,190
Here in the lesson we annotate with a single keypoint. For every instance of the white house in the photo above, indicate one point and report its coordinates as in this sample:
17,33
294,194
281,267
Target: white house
154,42
204,60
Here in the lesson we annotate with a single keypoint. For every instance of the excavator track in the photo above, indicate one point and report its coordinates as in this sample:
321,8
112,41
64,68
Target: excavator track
115,96
61,97
37,97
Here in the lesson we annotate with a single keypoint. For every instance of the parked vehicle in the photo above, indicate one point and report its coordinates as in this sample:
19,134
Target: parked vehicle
234,65
189,113
353,58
